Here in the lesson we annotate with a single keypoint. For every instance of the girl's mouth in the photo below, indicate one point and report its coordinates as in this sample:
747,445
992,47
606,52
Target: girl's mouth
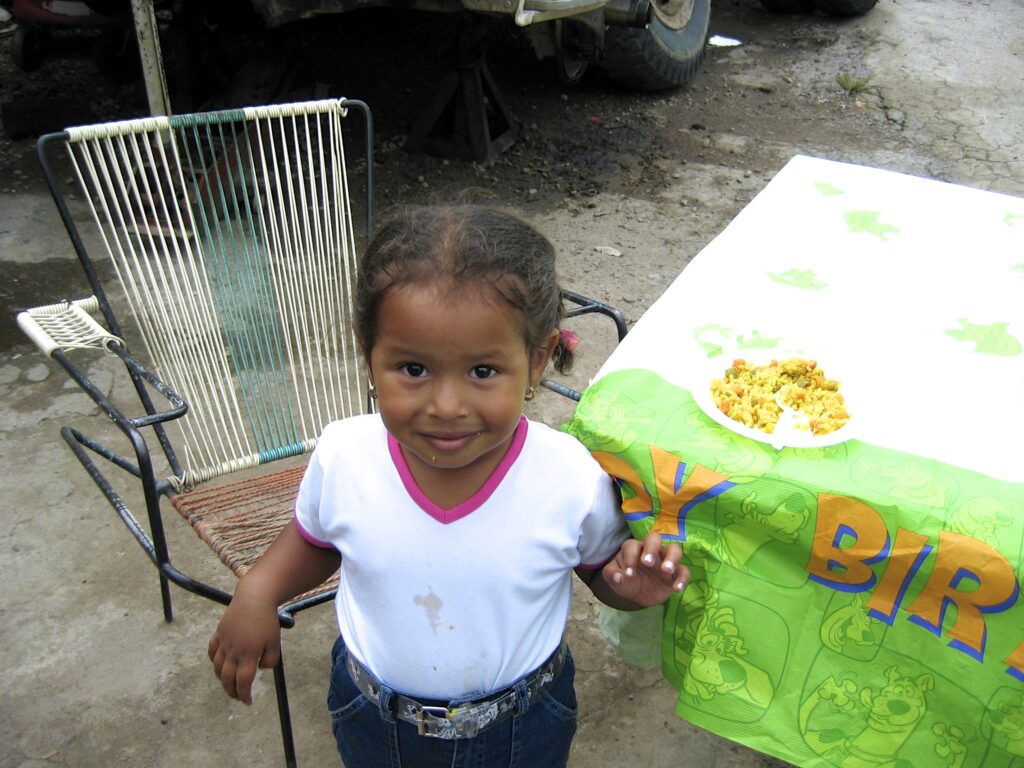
449,443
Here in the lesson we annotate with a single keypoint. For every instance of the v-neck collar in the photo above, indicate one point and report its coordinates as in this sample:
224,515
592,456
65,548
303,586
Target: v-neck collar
475,501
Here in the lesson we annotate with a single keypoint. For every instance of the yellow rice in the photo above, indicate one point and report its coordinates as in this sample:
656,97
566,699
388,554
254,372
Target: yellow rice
747,394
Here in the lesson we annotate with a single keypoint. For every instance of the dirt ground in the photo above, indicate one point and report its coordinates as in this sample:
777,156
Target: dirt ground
628,186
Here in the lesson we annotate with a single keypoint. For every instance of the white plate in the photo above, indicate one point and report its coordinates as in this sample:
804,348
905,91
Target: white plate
791,438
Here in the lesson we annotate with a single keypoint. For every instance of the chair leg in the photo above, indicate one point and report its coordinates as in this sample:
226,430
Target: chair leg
165,596
285,715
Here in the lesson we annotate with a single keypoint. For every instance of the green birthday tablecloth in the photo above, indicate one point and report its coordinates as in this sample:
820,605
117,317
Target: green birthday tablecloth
857,603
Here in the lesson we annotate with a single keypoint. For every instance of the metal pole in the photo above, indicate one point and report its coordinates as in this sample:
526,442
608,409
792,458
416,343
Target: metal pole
148,36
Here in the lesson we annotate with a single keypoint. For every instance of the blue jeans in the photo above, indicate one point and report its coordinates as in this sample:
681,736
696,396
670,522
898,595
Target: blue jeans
369,736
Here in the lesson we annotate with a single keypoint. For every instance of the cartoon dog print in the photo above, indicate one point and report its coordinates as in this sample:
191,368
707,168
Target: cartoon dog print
848,626
892,715
716,666
1008,720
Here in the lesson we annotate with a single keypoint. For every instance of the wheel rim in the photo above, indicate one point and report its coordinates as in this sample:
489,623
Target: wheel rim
674,14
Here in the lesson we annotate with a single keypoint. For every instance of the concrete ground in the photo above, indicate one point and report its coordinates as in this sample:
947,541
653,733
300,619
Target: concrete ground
93,675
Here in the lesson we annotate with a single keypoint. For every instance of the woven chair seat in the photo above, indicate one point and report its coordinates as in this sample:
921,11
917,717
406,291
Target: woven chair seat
239,520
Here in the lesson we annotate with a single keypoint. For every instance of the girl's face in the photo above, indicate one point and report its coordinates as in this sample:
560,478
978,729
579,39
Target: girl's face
451,368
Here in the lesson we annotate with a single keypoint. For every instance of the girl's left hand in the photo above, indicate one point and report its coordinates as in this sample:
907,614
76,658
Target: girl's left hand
645,572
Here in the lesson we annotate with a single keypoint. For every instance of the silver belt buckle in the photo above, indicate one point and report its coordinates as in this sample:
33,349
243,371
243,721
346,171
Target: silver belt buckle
438,716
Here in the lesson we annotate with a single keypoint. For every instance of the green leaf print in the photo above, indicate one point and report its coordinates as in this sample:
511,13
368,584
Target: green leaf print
867,222
714,339
988,339
827,189
756,341
803,279
718,332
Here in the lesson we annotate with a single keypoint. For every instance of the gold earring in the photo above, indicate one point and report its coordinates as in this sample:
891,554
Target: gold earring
373,392
530,394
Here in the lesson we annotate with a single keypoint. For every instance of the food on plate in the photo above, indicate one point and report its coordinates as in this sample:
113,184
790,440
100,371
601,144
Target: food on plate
747,394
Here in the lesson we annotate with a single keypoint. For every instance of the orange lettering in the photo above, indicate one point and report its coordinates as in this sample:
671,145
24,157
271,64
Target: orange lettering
848,537
639,504
964,560
1016,662
676,497
908,553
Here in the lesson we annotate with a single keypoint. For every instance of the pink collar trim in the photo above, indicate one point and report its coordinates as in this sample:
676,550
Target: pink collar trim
475,501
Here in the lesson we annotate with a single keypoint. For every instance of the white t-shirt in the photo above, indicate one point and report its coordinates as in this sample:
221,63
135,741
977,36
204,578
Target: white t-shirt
446,603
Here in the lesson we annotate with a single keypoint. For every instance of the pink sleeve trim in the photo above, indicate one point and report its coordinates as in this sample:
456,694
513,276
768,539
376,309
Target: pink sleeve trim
310,537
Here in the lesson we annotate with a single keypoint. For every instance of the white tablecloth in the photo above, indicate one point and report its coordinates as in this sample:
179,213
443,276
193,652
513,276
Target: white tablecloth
910,291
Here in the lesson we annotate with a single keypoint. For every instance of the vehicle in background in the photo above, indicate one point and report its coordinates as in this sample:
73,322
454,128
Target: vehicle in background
639,44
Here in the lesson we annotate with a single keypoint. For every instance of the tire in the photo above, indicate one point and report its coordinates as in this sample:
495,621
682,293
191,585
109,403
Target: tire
665,54
788,6
845,7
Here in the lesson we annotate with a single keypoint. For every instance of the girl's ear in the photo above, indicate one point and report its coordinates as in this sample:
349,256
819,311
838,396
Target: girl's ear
541,356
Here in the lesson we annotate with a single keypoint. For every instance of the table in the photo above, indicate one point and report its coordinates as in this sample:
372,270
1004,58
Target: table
855,604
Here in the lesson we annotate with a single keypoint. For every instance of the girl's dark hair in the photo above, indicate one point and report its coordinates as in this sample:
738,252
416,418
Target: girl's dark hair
493,249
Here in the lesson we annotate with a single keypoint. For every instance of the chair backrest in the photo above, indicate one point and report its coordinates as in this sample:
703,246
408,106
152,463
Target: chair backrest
231,240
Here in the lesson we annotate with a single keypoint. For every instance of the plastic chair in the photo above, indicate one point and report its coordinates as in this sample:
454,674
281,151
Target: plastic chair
232,244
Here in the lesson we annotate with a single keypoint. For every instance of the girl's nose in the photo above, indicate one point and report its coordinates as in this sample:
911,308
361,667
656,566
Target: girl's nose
446,399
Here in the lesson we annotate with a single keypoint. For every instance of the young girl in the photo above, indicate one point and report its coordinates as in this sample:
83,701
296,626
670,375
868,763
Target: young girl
457,522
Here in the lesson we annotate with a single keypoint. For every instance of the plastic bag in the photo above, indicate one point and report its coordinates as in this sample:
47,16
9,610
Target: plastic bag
635,635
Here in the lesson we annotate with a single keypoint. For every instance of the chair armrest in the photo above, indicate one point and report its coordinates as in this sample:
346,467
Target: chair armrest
58,328
65,325
586,306
178,407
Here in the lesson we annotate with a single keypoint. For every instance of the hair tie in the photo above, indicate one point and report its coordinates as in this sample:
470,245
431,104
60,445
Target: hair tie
568,339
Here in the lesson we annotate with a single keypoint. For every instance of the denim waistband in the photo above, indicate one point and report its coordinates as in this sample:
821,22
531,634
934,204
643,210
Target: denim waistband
462,720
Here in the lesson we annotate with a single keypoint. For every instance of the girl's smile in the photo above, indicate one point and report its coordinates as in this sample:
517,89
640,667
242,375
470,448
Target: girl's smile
445,442
451,366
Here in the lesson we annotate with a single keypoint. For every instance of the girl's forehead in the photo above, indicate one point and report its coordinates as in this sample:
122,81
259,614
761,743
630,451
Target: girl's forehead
426,304
502,290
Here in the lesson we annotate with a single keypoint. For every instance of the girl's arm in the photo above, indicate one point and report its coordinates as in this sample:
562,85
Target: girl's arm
249,635
642,574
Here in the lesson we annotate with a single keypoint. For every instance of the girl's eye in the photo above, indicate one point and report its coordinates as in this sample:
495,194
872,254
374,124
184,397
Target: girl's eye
483,372
415,370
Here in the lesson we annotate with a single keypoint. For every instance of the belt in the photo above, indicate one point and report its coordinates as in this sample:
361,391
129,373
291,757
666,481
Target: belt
467,719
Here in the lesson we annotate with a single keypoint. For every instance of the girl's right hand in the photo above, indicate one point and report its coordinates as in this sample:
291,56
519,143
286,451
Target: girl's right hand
248,637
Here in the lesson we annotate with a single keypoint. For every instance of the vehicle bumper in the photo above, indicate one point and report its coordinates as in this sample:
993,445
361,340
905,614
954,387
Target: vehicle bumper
525,12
